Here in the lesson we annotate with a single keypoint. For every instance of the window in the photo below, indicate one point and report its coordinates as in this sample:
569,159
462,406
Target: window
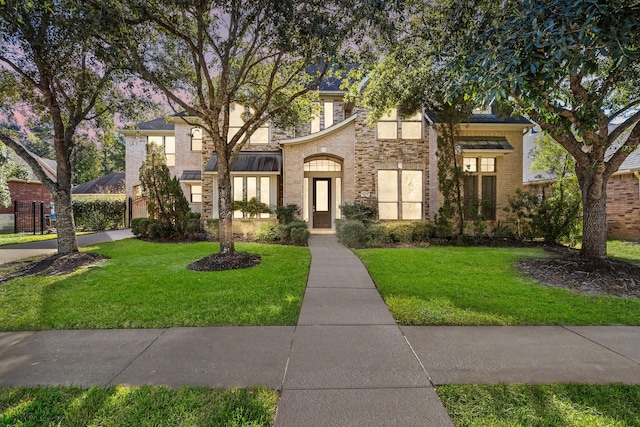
480,188
246,188
196,139
400,194
388,125
322,165
169,144
470,164
237,115
315,120
328,114
196,193
411,127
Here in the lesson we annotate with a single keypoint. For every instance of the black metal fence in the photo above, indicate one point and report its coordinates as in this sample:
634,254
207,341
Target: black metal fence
31,217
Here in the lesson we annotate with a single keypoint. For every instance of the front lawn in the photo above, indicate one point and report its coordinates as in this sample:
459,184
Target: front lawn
480,286
147,285
13,239
136,406
575,405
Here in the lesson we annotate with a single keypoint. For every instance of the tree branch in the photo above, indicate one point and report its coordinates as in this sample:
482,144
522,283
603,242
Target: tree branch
29,158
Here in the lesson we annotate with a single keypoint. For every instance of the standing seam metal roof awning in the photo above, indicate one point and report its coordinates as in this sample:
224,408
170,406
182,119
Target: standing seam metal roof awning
191,175
488,143
251,161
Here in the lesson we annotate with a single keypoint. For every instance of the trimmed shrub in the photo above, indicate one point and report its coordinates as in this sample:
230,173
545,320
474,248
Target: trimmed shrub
287,214
300,236
423,231
140,227
353,233
99,214
267,232
364,212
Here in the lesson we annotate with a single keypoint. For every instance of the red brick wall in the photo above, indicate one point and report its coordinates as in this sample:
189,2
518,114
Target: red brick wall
623,206
26,192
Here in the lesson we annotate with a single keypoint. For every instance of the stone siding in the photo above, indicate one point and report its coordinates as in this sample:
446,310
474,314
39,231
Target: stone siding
373,154
623,206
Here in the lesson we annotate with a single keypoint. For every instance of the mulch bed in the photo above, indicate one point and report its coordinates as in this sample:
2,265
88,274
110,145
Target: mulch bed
588,276
54,265
220,262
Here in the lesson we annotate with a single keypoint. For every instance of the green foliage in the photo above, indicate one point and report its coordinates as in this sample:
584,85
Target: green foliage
360,211
353,233
552,218
295,232
140,227
145,405
86,161
251,208
268,232
287,214
167,206
99,214
10,168
577,405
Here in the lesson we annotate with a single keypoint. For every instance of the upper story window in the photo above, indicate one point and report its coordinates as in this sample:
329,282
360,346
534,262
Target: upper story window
390,126
169,145
237,115
327,109
196,139
322,165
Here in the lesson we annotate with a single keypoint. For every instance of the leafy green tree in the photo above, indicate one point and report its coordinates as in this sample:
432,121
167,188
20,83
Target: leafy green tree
50,66
9,169
573,67
208,56
166,202
86,161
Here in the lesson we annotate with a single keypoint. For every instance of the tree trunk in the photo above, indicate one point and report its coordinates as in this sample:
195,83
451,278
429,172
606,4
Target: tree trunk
225,206
65,223
594,217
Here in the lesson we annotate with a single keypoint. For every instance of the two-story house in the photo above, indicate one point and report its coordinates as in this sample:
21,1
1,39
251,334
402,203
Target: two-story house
337,158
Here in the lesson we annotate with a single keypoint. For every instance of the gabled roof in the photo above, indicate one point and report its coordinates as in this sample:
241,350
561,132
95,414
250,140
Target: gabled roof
49,166
112,183
156,124
251,161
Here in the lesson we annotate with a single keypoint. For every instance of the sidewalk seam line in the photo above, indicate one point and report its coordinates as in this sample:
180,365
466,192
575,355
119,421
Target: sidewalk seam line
601,345
110,383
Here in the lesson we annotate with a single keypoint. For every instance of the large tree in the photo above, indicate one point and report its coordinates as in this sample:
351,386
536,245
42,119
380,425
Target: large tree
49,64
208,56
571,66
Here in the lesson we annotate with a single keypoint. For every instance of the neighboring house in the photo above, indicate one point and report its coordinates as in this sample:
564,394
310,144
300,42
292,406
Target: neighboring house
623,191
23,193
337,158
110,185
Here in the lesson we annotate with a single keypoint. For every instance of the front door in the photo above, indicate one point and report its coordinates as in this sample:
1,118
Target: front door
321,202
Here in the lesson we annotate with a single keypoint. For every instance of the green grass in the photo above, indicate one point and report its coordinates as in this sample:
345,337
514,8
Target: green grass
623,250
13,239
136,406
147,285
480,286
575,405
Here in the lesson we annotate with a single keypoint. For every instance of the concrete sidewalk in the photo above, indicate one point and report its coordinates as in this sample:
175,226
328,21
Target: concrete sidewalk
10,253
346,363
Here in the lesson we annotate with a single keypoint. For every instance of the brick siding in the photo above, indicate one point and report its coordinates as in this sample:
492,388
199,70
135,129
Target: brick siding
623,206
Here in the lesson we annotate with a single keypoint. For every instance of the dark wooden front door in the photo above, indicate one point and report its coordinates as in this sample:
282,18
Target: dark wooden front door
321,202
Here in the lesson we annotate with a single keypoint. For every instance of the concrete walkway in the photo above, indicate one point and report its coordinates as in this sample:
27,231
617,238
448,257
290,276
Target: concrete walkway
346,363
10,253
